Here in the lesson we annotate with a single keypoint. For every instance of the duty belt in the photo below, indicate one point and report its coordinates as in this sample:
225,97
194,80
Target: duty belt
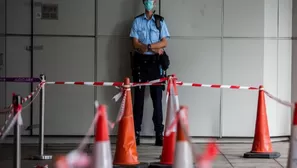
145,59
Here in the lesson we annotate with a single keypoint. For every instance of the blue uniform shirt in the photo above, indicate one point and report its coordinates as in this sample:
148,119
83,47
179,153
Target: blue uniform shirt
146,31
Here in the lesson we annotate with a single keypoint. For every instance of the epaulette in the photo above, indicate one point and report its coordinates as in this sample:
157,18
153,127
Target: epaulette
155,15
159,17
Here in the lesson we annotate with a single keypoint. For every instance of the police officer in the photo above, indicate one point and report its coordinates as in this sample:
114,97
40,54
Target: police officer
148,43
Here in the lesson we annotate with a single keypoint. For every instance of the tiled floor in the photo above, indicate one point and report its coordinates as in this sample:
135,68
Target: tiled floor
230,155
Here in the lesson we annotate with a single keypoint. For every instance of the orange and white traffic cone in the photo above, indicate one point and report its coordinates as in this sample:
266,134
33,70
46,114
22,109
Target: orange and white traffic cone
293,142
183,157
126,154
73,159
102,153
167,156
60,162
262,147
206,159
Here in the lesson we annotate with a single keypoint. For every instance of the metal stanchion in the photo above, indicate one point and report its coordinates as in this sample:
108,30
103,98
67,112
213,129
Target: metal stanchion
41,155
16,100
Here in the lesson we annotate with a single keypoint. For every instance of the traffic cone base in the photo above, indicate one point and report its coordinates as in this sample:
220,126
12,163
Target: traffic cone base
183,151
103,151
167,156
159,165
140,165
270,155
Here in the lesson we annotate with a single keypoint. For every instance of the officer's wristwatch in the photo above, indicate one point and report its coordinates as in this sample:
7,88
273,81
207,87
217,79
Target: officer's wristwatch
149,47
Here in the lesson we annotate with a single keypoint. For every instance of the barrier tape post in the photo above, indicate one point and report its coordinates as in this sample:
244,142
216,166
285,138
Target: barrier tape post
16,100
41,155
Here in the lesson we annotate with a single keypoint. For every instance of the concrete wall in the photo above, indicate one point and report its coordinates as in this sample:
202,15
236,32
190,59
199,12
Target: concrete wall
294,54
212,42
2,58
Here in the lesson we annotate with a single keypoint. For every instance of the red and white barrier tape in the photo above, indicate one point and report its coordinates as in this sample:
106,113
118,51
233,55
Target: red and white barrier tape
35,94
217,86
6,109
16,119
6,122
121,110
156,82
24,100
118,95
119,84
87,83
153,82
283,102
39,86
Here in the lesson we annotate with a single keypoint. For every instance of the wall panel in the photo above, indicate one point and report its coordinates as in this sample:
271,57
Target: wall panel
18,65
294,70
74,17
243,18
200,63
18,16
270,18
2,84
2,17
69,109
284,87
193,18
294,16
285,18
119,21
270,82
112,65
242,65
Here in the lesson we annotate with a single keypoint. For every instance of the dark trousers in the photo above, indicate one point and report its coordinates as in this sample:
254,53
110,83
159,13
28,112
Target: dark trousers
156,96
145,71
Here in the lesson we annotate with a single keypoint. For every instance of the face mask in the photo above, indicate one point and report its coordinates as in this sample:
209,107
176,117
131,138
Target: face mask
149,5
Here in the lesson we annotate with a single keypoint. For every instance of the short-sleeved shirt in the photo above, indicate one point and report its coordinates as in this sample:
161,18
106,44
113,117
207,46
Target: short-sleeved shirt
146,31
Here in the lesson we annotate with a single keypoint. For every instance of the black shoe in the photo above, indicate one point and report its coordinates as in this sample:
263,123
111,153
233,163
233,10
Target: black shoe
159,139
137,136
